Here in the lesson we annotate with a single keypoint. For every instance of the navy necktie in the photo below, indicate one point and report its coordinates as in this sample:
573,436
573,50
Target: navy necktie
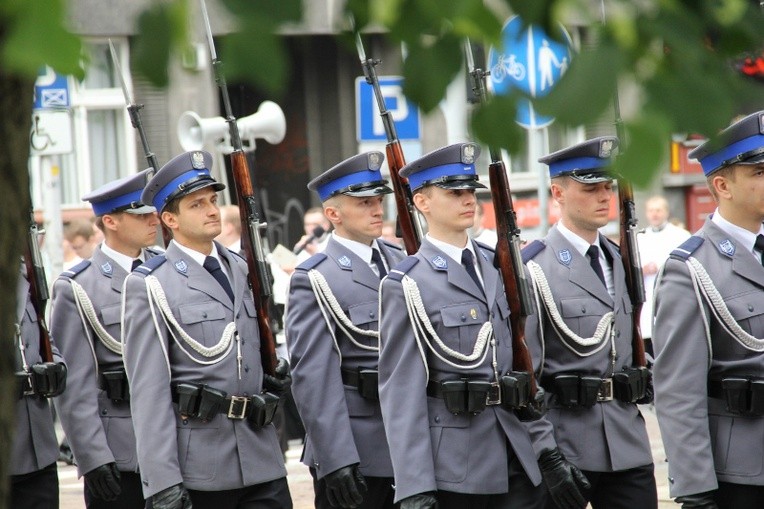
376,259
136,263
759,245
213,267
469,264
594,260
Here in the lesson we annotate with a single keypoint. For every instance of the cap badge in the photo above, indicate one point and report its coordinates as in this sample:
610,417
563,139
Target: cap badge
606,148
197,160
727,247
107,269
468,153
344,261
181,266
564,256
440,263
374,161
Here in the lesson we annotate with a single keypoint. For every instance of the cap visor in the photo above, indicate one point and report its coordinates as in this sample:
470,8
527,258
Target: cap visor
217,186
591,178
372,191
757,159
145,209
461,184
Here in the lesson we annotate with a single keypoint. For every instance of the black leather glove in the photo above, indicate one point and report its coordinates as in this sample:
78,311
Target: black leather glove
174,497
698,501
345,487
280,381
49,378
103,482
564,480
420,501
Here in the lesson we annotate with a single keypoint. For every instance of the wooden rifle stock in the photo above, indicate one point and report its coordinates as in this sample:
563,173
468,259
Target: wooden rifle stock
38,288
510,265
508,257
251,243
632,266
411,229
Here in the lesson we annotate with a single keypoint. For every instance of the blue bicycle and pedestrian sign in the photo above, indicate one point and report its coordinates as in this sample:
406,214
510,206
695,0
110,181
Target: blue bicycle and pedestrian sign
530,61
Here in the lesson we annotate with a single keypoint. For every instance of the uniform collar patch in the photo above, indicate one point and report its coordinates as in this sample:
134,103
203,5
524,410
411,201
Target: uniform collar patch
439,263
344,262
107,269
564,256
727,247
181,266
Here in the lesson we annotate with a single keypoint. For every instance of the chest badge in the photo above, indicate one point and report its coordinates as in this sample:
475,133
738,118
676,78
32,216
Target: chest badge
344,262
473,313
107,269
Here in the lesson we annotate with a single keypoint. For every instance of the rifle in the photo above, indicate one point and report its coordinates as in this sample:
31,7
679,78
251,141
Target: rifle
508,258
411,229
251,243
38,287
134,110
627,244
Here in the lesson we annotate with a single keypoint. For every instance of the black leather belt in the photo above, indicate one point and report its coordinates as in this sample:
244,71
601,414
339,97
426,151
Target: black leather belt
350,377
715,389
366,380
493,396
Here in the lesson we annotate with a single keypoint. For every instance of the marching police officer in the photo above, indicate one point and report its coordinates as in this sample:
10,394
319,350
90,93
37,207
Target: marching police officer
709,364
333,340
85,322
33,475
191,351
584,330
445,353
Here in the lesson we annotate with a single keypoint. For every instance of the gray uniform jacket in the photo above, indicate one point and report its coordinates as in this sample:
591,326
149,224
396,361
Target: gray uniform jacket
431,448
611,435
99,429
222,453
704,442
34,440
342,428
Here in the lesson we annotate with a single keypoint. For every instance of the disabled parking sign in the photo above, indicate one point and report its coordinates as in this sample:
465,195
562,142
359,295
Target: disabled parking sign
530,61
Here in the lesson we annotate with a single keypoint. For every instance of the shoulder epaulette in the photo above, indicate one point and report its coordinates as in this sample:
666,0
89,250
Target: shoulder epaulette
688,247
391,245
402,268
530,251
151,264
73,271
312,262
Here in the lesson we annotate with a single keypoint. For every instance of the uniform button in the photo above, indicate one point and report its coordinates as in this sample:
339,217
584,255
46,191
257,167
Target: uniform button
238,315
371,314
464,318
185,422
204,315
583,309
750,307
437,418
493,314
104,412
618,334
246,369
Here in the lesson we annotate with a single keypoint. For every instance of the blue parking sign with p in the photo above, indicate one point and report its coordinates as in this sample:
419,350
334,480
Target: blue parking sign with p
405,114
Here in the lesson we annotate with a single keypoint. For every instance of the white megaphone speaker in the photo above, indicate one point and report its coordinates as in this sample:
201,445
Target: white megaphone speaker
268,123
194,131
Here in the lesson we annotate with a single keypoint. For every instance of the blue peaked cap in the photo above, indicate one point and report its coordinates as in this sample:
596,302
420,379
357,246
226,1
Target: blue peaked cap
740,143
451,167
358,176
586,162
122,195
182,175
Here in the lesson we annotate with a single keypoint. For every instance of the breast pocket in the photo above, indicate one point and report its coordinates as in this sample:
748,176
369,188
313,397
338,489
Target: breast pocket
748,311
111,315
461,325
203,321
365,316
582,315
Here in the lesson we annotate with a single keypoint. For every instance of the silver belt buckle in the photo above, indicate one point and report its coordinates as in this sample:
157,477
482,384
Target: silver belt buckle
606,390
494,395
238,407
